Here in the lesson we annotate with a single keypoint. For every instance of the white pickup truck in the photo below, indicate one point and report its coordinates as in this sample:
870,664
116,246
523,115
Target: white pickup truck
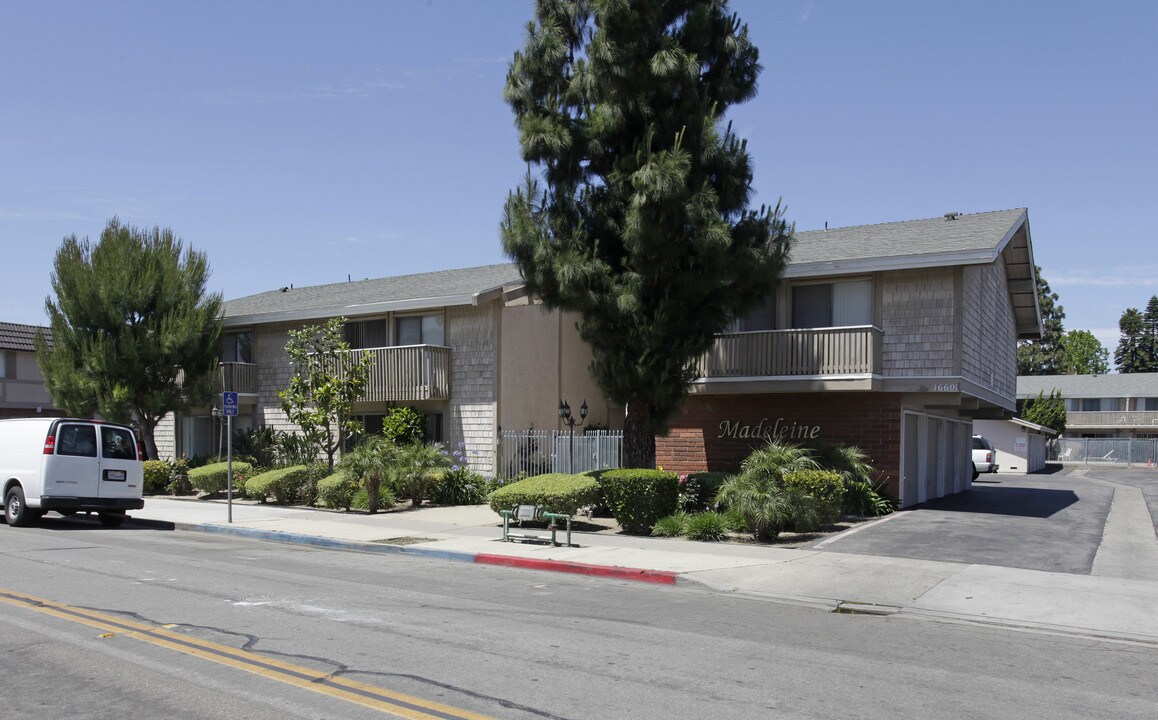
984,457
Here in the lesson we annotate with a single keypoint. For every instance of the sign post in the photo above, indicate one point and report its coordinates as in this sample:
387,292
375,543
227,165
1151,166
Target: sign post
229,410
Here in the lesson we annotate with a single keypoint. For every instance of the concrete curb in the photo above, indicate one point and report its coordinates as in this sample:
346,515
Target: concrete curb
661,577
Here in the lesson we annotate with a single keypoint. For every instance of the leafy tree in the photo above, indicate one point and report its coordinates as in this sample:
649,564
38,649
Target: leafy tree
1047,411
134,333
328,379
1047,355
1133,352
1085,354
641,224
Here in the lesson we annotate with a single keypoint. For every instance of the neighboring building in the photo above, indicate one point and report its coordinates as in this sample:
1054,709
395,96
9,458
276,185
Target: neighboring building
22,391
465,347
1101,406
1021,446
891,337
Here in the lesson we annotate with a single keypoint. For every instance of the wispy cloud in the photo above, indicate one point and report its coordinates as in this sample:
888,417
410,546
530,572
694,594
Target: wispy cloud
807,12
1126,277
303,93
484,61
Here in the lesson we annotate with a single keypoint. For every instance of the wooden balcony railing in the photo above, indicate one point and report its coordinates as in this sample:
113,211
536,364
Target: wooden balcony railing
408,373
238,377
1118,419
822,351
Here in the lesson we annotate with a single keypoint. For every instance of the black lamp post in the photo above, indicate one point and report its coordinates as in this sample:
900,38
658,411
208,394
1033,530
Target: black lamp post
570,421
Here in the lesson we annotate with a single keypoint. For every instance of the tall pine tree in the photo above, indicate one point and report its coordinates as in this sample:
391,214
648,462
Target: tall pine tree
1047,355
1135,348
135,336
635,209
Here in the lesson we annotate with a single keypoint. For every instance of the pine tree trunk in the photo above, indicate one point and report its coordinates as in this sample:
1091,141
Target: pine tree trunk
639,436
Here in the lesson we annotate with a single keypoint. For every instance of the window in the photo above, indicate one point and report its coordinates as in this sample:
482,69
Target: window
433,427
839,304
418,330
1095,405
366,334
761,317
237,347
3,365
1150,404
117,444
76,440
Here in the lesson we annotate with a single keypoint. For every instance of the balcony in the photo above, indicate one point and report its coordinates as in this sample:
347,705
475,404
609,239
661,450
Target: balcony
802,352
238,377
1119,419
407,373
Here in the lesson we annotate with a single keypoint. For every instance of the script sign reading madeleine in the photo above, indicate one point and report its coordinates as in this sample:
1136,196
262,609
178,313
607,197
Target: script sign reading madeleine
778,430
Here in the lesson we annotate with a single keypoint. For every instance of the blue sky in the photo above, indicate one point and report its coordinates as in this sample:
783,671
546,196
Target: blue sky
307,142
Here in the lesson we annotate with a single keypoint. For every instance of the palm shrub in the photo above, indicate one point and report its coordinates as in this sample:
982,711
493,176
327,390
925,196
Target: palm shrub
361,499
258,443
414,467
761,493
862,496
671,526
707,527
369,467
639,497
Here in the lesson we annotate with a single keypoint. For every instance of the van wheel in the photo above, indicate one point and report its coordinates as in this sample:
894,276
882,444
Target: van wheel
16,513
112,519
975,473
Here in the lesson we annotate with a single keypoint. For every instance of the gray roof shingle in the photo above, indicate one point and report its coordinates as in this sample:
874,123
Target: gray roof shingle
1090,386
14,336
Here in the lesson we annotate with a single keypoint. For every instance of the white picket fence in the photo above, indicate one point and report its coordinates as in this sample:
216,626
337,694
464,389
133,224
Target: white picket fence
523,453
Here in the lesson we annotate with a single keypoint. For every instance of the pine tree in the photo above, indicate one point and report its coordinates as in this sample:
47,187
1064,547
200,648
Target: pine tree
1047,411
635,213
1150,334
1047,355
1133,354
134,334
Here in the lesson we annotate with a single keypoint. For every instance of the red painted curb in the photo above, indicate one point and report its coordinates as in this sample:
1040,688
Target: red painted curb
623,573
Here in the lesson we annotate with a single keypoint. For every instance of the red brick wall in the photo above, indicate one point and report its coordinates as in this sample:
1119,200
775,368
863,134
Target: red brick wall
870,421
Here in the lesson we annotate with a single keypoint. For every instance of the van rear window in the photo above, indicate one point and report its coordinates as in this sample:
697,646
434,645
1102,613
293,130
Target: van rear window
117,444
76,440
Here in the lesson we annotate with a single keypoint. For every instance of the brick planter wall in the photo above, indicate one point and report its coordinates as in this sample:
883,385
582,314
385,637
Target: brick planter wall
870,421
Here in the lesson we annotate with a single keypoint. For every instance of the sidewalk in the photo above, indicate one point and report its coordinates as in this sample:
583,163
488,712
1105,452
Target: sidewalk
1076,604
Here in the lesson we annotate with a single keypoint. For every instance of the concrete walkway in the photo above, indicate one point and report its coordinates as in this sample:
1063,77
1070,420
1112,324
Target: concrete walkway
1100,605
1129,546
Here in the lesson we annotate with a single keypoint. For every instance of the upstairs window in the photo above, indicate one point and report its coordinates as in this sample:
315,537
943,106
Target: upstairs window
3,364
419,330
366,334
837,304
760,317
237,347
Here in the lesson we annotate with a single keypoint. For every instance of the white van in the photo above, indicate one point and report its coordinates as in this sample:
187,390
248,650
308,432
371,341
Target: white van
69,465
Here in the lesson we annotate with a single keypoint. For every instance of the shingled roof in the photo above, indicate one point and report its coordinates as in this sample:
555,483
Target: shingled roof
366,297
1089,386
20,337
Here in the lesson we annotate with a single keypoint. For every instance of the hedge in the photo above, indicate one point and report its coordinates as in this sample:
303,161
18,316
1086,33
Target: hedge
337,490
213,478
157,476
638,498
285,484
826,489
557,492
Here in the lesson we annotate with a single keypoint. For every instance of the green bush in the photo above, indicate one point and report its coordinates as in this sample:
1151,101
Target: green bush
337,491
404,425
827,492
213,478
707,527
638,498
698,490
557,492
673,525
864,499
286,485
179,478
157,476
458,487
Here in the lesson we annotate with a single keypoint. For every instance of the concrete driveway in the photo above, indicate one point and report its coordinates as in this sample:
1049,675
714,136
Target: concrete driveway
1078,520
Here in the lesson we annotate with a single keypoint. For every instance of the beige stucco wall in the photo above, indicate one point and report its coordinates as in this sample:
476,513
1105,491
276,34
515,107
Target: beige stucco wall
543,361
988,329
916,315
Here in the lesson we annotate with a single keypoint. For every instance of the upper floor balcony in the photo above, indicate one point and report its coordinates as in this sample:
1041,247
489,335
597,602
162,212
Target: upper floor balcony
800,352
238,377
407,373
1113,419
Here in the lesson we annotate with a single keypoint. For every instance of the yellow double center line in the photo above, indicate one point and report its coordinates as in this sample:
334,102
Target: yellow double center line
376,698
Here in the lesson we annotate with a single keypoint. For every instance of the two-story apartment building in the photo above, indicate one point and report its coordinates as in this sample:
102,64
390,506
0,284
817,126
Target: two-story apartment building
466,347
890,337
1101,406
22,391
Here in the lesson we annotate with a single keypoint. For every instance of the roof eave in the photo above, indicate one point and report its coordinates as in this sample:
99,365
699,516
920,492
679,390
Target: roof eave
360,310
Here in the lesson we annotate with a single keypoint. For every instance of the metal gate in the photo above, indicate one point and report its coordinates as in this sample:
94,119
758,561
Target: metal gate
524,453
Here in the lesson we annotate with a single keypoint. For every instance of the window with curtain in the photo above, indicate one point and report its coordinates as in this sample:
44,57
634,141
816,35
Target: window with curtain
419,330
366,334
838,304
760,317
237,347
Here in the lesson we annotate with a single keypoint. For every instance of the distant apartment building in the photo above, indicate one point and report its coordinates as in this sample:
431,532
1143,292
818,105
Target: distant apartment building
1101,406
22,391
